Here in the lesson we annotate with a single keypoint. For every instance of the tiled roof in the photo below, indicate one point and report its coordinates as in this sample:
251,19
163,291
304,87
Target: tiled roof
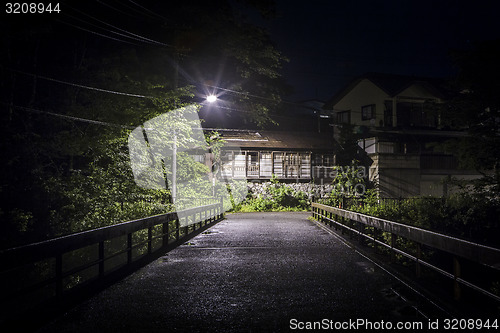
279,140
392,84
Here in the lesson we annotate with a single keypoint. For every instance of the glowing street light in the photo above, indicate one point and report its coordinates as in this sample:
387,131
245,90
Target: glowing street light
211,98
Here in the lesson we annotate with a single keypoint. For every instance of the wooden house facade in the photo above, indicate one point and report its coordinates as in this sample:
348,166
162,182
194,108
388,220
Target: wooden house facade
258,155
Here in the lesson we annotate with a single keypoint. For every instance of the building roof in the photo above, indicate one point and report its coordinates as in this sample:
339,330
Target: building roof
391,84
278,140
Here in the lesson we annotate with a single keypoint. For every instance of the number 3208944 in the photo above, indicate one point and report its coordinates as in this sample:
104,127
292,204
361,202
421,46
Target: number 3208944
31,8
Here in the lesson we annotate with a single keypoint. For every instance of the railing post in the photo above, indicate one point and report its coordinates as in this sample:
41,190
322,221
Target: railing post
361,228
177,228
150,240
349,224
393,245
457,292
186,228
418,267
165,230
129,248
59,276
221,208
101,259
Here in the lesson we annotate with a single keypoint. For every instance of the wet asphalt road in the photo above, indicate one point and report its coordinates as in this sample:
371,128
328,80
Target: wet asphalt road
252,272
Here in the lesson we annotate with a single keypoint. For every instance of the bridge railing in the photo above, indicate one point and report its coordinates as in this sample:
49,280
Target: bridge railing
387,234
59,270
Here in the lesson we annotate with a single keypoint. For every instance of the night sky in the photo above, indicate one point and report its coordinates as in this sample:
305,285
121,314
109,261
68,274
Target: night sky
328,43
331,42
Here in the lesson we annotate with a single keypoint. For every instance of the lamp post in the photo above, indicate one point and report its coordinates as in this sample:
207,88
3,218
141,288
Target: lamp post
209,99
174,169
212,99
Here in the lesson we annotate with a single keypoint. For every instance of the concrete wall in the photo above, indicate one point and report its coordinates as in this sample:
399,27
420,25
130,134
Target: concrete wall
399,175
396,175
311,190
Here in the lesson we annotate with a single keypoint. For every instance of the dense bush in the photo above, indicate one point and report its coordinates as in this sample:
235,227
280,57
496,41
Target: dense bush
473,216
279,197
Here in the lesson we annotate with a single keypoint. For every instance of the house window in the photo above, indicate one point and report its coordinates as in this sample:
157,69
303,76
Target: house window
416,114
368,112
344,117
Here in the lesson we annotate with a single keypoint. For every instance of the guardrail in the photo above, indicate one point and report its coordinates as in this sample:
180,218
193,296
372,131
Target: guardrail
371,228
58,271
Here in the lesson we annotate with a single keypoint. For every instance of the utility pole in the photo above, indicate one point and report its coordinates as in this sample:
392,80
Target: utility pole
174,168
174,144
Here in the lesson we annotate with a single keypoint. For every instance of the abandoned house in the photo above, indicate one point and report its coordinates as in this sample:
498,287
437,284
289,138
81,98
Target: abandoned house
289,156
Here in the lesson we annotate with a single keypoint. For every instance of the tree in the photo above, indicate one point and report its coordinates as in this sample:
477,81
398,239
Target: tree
74,89
476,108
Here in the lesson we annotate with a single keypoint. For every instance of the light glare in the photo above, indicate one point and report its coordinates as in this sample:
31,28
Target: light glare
211,98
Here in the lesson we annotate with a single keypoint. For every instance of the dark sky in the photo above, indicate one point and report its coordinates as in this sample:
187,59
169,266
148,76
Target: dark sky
331,42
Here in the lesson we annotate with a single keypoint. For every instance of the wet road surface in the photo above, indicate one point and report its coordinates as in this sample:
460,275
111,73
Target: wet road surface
253,272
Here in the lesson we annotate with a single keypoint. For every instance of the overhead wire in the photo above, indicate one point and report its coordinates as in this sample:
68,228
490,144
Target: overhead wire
147,40
134,35
149,11
95,33
144,96
91,121
115,9
185,74
113,32
80,85
138,37
139,11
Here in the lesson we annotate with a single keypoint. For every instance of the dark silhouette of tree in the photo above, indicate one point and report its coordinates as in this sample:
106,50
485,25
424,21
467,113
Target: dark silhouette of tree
73,86
476,108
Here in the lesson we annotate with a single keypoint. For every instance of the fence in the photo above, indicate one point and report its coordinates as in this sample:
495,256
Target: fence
58,271
373,229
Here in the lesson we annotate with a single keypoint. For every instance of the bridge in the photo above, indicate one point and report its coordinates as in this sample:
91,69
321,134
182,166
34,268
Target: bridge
258,272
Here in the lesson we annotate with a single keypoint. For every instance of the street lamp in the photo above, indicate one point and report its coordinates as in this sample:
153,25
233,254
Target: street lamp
211,98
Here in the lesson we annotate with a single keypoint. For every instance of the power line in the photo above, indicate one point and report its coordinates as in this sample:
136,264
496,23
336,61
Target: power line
80,85
151,97
139,11
149,11
113,32
137,36
146,96
95,33
91,121
113,8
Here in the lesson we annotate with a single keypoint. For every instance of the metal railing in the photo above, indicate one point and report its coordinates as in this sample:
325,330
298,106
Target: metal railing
58,270
372,228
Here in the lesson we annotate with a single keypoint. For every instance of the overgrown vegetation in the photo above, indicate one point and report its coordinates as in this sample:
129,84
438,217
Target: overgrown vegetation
66,115
472,213
279,197
471,216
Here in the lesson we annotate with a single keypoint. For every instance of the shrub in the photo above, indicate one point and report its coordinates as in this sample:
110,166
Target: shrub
278,197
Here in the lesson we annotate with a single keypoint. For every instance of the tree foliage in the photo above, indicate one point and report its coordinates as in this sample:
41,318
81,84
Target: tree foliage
74,89
476,108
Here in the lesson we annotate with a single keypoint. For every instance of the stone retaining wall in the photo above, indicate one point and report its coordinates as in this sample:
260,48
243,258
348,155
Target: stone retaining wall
311,190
